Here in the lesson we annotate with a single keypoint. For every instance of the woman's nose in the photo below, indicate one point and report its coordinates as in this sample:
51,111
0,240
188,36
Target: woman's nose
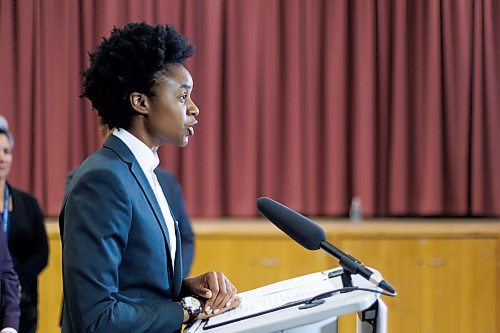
193,109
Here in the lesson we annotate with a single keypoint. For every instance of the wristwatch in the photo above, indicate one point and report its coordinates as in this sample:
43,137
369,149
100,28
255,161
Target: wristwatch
193,307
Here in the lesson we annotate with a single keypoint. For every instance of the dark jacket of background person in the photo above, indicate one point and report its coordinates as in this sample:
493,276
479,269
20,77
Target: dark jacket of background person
29,249
175,199
9,288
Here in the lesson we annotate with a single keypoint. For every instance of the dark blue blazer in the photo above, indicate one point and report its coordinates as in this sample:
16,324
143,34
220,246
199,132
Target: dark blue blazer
175,199
9,288
117,274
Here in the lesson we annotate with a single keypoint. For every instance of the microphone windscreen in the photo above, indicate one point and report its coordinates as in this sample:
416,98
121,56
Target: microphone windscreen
297,226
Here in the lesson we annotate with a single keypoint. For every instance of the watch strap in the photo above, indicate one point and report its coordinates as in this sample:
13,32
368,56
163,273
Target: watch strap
193,313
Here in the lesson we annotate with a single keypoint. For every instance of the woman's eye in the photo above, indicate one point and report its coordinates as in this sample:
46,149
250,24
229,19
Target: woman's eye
183,97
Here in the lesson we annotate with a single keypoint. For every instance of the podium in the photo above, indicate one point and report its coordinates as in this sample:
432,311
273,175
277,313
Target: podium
319,318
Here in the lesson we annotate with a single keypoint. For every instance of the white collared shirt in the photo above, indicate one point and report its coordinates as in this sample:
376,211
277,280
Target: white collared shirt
148,161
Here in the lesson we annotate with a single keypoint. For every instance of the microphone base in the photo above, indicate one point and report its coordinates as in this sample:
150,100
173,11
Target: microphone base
346,280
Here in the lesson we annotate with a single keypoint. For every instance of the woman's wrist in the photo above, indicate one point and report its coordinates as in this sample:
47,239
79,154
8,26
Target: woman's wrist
186,315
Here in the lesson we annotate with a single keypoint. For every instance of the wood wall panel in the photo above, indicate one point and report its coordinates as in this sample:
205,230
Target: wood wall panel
437,280
50,285
447,273
253,263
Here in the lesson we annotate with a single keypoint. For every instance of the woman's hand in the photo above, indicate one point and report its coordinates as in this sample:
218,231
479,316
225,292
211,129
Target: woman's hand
219,293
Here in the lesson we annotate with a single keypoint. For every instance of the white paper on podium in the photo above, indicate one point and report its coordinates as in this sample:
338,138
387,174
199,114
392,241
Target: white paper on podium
274,297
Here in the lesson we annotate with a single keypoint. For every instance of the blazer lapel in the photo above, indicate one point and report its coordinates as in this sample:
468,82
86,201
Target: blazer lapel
178,273
120,148
178,262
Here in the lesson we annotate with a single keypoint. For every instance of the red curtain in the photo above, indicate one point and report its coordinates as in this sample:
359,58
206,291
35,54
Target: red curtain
310,102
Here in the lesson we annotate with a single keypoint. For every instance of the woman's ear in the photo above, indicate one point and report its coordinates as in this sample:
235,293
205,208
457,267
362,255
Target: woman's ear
139,104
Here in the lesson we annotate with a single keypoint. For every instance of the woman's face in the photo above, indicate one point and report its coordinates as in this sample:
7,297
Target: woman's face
171,112
5,157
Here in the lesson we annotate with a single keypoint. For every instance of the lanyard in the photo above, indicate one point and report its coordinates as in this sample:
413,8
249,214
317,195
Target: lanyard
5,213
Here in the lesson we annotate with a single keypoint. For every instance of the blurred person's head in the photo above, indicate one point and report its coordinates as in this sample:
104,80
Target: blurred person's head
6,145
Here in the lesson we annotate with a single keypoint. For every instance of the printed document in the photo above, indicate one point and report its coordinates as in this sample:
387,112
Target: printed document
274,297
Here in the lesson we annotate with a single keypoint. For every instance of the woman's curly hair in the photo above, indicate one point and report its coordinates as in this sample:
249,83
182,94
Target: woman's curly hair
127,62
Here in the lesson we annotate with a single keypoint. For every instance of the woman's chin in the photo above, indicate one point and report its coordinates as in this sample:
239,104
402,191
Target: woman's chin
184,142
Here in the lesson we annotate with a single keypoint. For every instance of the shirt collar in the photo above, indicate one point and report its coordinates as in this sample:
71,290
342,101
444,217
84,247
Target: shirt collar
148,158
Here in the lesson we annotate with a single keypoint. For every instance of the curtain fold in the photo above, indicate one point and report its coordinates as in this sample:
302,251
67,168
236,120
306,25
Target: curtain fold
310,102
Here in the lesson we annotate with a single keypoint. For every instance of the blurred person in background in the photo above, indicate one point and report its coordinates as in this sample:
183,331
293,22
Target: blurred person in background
23,224
9,290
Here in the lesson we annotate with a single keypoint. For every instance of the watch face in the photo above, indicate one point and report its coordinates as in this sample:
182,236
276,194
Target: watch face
192,305
192,302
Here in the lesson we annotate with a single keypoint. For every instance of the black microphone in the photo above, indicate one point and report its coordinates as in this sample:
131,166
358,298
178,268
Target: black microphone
311,236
